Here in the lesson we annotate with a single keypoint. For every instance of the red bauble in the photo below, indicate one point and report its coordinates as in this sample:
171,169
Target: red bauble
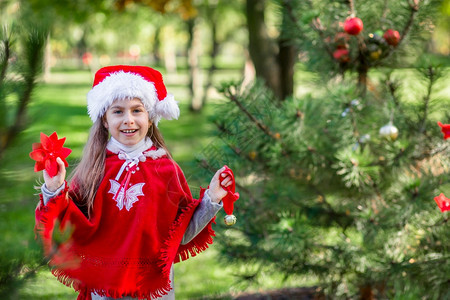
341,55
46,152
353,26
392,37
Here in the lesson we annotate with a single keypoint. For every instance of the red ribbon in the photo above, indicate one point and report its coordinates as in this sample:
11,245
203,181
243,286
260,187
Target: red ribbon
231,196
126,181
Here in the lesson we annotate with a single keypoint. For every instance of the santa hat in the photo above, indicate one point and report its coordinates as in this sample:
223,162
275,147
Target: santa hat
128,82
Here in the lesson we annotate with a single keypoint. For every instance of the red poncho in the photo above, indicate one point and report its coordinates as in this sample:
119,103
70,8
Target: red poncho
129,244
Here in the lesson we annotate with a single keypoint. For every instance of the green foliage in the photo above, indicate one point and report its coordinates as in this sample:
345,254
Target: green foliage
323,193
21,58
316,28
21,61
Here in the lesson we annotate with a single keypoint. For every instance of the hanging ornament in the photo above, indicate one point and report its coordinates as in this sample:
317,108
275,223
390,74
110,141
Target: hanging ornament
374,38
252,155
392,37
345,112
364,138
389,131
341,55
229,199
374,51
442,202
376,46
445,128
353,26
47,151
378,33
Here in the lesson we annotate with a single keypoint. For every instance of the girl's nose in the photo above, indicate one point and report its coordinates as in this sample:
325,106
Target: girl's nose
128,118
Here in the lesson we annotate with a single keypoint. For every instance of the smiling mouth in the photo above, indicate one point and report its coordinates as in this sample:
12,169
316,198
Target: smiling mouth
129,131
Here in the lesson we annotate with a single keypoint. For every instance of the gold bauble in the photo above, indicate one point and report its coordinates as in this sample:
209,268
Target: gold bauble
229,220
389,131
252,155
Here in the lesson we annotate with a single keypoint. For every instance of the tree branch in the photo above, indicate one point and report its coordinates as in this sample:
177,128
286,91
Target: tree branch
352,8
317,26
252,118
5,60
431,76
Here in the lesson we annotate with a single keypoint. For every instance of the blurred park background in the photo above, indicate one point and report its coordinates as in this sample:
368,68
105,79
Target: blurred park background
333,135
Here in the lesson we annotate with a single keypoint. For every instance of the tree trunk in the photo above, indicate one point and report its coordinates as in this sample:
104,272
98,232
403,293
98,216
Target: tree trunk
157,45
273,63
287,58
170,61
363,69
262,48
213,55
195,82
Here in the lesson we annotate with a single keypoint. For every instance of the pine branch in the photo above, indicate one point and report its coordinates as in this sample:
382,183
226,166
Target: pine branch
414,8
318,27
252,118
354,125
351,4
430,153
34,53
431,72
385,10
5,60
392,87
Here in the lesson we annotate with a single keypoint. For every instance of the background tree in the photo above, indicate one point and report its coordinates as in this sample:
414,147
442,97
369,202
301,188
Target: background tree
338,184
217,24
21,61
273,58
21,64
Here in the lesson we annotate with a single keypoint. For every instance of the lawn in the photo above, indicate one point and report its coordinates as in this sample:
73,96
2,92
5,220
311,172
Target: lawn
59,105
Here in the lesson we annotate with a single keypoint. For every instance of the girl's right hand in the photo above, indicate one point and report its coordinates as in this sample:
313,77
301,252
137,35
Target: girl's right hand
53,183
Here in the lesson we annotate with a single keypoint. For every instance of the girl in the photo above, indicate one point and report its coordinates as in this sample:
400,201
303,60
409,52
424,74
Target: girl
128,208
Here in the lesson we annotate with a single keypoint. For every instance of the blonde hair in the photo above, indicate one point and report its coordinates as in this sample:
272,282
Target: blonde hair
88,174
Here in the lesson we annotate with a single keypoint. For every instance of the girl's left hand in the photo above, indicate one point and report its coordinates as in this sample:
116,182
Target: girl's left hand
216,191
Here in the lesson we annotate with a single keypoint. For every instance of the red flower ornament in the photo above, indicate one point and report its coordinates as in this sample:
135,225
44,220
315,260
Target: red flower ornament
47,151
442,202
445,130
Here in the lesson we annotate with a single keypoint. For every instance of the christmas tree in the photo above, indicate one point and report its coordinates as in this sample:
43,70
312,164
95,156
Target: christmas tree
342,183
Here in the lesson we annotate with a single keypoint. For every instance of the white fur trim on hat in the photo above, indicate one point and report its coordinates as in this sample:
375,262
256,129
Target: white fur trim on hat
125,85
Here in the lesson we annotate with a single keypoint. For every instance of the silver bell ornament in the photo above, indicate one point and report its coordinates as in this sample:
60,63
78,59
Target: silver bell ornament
389,131
229,220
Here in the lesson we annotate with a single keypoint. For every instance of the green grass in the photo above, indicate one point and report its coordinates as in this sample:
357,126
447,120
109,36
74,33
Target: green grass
60,105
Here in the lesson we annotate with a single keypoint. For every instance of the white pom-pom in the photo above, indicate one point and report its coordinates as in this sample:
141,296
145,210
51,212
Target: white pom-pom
167,108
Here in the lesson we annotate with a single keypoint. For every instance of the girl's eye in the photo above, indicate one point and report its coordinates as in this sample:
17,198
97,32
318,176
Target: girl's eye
117,111
138,110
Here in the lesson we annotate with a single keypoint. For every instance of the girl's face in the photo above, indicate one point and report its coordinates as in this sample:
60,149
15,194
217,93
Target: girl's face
127,121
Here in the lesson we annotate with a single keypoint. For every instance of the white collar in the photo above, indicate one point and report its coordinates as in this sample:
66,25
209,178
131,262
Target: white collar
117,147
139,151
